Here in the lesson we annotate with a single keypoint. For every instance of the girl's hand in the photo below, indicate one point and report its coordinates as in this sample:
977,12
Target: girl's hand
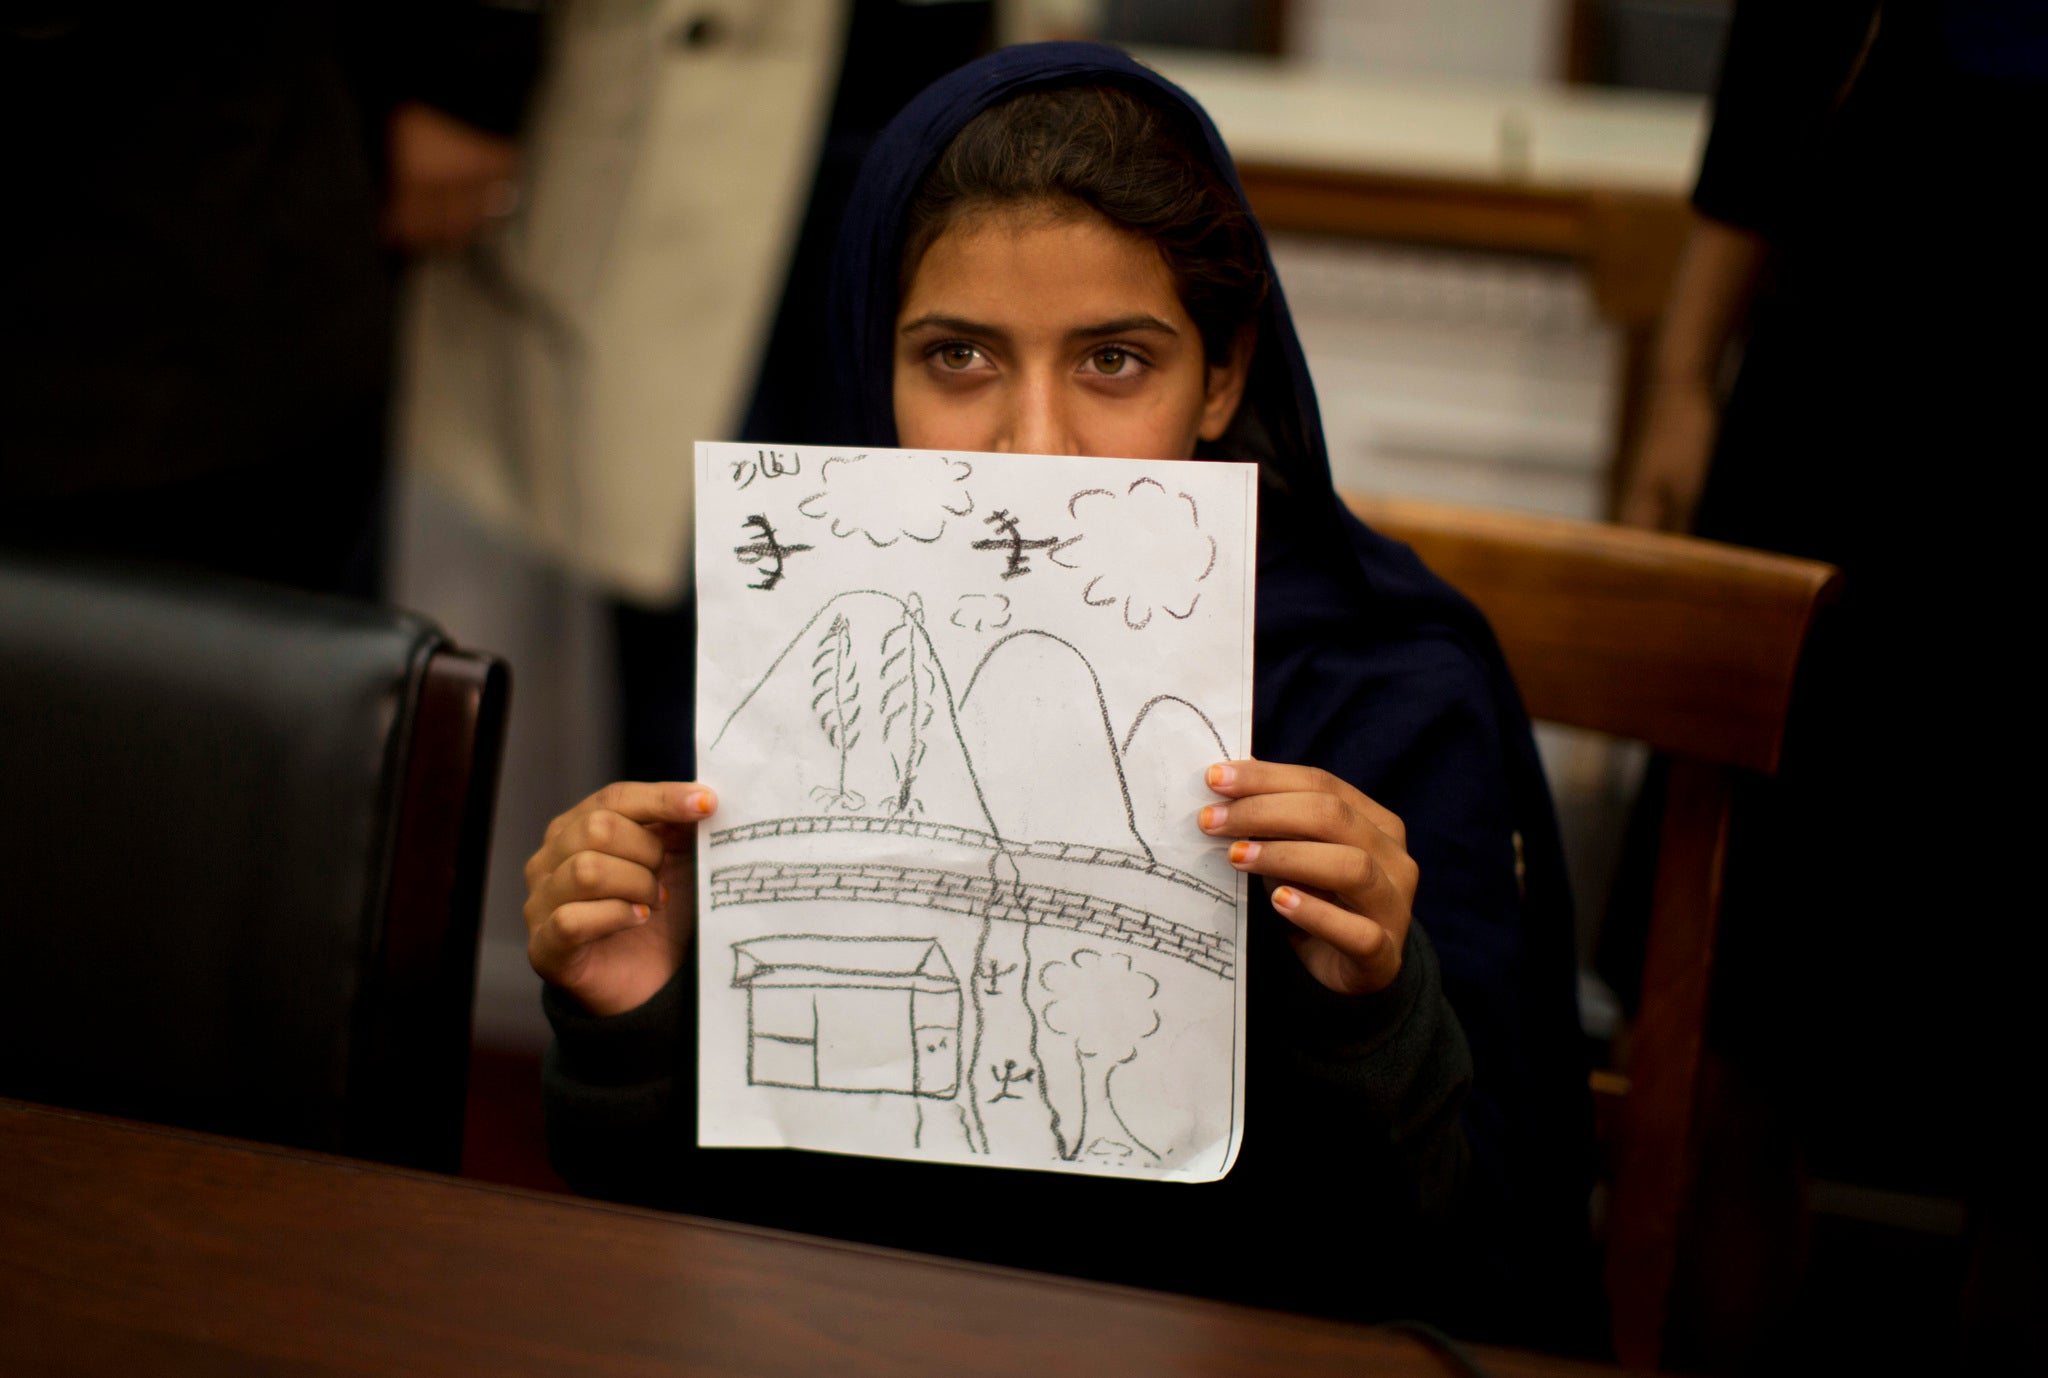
1338,865
610,893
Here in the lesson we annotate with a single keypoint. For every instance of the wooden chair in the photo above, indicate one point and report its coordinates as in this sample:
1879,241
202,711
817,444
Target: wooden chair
244,846
1689,646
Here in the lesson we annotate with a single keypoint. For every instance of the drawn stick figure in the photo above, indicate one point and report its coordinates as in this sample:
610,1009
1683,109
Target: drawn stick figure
1007,1076
993,972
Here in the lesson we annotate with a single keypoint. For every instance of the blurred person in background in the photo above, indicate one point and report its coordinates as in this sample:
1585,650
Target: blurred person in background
206,207
893,50
1865,212
663,281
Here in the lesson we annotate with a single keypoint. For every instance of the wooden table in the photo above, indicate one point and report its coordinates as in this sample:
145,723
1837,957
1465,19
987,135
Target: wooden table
131,1249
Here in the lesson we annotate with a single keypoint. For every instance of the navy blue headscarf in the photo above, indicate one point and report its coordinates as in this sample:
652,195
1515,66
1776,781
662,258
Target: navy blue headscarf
1279,425
1368,666
863,302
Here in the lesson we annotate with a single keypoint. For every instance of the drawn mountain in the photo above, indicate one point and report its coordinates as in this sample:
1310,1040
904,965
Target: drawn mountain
1031,691
1166,748
862,717
866,721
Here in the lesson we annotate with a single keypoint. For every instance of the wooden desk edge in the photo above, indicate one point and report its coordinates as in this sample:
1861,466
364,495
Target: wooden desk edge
1507,1363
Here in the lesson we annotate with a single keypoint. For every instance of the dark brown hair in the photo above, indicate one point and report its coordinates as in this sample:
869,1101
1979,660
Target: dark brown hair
1104,148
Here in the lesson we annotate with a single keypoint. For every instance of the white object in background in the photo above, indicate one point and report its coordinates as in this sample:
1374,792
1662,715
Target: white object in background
556,372
1532,133
955,904
1462,377
1510,40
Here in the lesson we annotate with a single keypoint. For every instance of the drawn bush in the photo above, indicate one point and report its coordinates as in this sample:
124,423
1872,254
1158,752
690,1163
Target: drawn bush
1104,1004
909,697
835,682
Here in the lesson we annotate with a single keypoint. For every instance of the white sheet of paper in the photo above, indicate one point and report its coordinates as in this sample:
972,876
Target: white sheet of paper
954,904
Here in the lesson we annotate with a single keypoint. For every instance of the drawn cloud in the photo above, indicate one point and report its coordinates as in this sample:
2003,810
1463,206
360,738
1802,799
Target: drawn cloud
888,500
1178,556
981,612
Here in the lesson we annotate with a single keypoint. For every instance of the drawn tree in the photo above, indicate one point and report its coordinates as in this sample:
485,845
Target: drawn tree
909,693
1105,1005
836,679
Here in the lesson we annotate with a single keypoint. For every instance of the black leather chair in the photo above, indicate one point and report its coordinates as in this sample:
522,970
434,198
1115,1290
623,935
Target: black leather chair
242,845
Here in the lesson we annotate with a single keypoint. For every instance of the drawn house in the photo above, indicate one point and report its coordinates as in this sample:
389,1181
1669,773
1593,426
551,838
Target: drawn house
850,1014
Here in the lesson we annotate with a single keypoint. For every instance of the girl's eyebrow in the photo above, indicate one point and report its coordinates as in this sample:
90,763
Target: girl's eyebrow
958,325
1122,325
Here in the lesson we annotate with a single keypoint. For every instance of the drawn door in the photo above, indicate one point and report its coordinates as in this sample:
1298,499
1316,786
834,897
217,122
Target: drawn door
937,1020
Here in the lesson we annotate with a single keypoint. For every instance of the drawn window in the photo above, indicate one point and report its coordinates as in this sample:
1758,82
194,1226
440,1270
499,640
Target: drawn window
785,1013
785,1044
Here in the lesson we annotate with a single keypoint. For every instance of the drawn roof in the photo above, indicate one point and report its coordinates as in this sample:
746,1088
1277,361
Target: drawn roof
815,960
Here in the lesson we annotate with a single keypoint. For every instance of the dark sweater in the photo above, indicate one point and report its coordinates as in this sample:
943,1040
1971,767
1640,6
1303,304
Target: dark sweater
1360,1130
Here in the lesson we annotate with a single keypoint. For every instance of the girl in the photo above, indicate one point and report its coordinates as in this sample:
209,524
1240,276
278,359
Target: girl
1048,253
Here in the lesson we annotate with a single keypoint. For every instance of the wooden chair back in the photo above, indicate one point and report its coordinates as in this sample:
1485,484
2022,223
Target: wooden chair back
1690,646
413,1061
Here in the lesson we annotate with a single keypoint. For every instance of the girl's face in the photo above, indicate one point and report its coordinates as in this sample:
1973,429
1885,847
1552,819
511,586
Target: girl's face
1031,330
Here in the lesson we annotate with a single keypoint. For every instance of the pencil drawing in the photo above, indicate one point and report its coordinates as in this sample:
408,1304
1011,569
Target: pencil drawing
908,701
885,501
979,612
1168,582
1038,1054
1103,1005
1010,540
764,464
836,678
850,1015
763,549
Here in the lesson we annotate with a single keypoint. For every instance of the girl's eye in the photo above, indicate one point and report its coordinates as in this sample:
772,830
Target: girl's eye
1114,361
957,356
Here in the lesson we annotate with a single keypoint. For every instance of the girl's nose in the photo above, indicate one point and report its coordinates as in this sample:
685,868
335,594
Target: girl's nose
1039,420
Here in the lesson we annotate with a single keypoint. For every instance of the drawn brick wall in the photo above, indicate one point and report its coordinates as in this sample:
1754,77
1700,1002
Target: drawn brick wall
966,837
924,887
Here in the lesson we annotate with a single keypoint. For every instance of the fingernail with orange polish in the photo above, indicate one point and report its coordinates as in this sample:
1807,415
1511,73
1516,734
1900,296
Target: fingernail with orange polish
1221,775
640,911
1287,899
1243,853
1213,817
664,894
